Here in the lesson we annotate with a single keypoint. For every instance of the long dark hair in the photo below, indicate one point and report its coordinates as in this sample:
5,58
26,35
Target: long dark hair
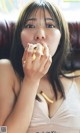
60,55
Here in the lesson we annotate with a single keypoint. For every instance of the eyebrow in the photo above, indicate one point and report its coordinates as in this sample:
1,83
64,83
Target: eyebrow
34,19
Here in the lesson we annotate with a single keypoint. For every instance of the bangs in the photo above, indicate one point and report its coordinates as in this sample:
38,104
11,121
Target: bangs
35,6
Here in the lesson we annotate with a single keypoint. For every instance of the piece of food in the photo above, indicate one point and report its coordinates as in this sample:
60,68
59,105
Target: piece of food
35,48
46,97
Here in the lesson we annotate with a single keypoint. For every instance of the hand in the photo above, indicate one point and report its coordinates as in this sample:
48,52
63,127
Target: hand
38,67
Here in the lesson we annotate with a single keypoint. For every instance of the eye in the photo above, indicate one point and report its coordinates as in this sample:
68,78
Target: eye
50,26
29,26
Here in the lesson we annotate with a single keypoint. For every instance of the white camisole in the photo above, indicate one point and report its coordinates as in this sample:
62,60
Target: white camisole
65,120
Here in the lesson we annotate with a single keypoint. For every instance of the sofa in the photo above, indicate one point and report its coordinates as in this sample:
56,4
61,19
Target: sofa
73,59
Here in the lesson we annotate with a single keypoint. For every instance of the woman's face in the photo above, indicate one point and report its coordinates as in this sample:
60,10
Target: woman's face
40,28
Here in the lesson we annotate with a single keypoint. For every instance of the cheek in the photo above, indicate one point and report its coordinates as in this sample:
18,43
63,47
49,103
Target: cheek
55,42
25,38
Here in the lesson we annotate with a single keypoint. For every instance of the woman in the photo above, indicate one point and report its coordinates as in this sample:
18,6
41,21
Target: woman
35,96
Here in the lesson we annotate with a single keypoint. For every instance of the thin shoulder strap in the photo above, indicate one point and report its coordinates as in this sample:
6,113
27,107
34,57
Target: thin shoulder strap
77,79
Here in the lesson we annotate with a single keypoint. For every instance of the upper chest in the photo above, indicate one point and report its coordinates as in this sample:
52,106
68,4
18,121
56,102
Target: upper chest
65,112
61,109
48,91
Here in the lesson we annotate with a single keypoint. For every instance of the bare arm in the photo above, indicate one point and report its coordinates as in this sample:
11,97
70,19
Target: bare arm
19,119
15,116
7,97
19,116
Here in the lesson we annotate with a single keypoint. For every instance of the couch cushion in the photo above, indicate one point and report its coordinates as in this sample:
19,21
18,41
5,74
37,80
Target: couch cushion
6,35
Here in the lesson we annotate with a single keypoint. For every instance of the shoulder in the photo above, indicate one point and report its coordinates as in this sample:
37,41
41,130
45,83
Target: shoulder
5,63
7,75
71,78
7,95
77,79
6,69
67,82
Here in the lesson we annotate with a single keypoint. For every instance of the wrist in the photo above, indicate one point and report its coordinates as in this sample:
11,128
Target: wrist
30,83
30,80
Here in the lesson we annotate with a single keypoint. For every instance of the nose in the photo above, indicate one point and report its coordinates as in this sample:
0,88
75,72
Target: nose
40,34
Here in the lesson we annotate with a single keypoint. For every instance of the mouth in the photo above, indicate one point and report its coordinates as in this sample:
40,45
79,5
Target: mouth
34,48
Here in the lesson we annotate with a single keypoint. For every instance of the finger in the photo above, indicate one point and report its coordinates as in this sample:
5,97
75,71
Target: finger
31,47
27,58
28,52
40,48
45,64
45,54
37,56
46,49
37,52
36,62
24,56
43,59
